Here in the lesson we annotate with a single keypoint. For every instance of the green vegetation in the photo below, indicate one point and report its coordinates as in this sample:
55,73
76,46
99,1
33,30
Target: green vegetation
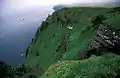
44,25
97,20
55,41
21,71
115,11
106,66
61,47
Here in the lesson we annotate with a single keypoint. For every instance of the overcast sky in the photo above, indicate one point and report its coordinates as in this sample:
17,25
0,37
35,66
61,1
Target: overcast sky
22,4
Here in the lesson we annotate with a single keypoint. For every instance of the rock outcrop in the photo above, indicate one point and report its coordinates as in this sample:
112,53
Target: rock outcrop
105,39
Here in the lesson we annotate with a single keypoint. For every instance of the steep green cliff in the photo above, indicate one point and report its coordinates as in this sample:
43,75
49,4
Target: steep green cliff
58,7
74,34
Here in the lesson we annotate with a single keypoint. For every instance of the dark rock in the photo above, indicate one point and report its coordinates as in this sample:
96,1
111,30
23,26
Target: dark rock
37,54
105,37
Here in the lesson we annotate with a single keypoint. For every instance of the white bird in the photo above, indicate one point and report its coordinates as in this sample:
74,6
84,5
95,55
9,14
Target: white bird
117,37
105,30
113,33
109,41
22,54
69,27
106,37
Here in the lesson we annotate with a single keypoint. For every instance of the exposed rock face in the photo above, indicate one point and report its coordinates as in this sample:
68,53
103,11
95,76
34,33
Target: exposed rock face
105,37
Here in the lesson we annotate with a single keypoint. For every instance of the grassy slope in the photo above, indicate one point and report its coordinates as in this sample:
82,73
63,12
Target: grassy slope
105,66
79,37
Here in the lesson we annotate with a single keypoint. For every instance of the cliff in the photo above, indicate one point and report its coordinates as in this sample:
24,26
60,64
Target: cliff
64,44
58,7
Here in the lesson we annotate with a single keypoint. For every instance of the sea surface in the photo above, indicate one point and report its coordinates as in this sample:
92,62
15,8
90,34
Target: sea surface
17,28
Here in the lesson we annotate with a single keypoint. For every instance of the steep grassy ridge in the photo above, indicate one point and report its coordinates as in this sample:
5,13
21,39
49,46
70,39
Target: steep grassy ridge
64,35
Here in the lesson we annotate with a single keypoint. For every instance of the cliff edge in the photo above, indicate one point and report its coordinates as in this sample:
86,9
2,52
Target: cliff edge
70,37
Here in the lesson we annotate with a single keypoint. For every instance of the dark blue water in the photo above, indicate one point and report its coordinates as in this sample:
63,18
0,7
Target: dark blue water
17,28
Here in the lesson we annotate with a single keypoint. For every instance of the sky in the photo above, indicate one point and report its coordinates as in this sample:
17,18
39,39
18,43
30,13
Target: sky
23,4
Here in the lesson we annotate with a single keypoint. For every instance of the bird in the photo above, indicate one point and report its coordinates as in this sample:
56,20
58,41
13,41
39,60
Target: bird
22,54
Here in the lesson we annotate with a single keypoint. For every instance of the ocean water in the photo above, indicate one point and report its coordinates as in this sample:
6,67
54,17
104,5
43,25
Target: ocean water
17,28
